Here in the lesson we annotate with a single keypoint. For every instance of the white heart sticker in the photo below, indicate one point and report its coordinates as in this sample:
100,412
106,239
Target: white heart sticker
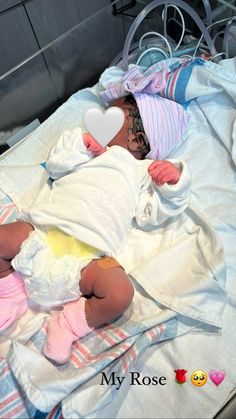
104,126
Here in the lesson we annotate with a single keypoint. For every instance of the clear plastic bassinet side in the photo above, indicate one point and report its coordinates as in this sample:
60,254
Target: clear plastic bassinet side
153,5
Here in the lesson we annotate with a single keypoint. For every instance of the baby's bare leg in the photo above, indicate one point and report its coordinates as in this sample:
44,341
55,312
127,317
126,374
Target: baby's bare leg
109,293
13,297
5,267
12,236
109,289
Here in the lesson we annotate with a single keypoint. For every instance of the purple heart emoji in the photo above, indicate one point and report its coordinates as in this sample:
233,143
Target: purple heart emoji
217,376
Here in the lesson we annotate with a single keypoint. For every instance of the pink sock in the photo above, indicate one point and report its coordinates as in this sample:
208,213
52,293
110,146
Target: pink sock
64,328
13,299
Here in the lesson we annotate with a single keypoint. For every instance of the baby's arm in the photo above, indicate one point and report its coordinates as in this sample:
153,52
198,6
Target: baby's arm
165,192
72,149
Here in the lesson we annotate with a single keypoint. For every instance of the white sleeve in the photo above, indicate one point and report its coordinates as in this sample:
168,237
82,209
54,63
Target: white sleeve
68,153
157,204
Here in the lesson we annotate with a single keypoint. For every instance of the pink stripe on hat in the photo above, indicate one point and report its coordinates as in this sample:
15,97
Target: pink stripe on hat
164,123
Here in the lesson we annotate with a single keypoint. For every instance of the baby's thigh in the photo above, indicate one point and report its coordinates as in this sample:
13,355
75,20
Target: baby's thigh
12,236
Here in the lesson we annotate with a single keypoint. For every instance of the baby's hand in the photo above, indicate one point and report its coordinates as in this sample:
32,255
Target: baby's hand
92,145
162,171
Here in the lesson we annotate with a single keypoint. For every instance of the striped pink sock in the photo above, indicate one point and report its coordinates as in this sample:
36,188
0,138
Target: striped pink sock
64,328
13,299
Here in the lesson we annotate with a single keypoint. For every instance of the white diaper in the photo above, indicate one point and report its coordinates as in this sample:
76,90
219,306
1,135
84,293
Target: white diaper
50,280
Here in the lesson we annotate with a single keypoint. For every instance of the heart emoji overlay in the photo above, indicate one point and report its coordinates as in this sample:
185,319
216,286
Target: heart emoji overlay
217,376
104,126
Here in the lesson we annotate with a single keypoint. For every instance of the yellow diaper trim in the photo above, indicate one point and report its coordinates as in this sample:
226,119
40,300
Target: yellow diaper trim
62,244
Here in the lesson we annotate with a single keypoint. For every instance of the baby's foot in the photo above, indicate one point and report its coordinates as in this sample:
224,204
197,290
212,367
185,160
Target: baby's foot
13,299
64,328
60,338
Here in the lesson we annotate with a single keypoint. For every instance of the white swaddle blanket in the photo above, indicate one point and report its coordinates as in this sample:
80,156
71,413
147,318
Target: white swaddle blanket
179,273
94,201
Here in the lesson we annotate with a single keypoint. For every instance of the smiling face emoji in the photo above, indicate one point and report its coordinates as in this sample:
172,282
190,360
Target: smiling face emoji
199,378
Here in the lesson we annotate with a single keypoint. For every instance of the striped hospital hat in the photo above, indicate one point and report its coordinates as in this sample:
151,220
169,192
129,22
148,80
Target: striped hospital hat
164,123
164,120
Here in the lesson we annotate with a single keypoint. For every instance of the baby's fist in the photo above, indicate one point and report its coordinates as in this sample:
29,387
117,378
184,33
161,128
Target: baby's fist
163,171
92,145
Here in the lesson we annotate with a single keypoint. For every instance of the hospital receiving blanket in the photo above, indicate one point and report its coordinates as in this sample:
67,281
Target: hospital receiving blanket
178,270
171,299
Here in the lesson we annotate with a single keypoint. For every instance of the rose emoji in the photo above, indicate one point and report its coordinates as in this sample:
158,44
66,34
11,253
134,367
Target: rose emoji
180,376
